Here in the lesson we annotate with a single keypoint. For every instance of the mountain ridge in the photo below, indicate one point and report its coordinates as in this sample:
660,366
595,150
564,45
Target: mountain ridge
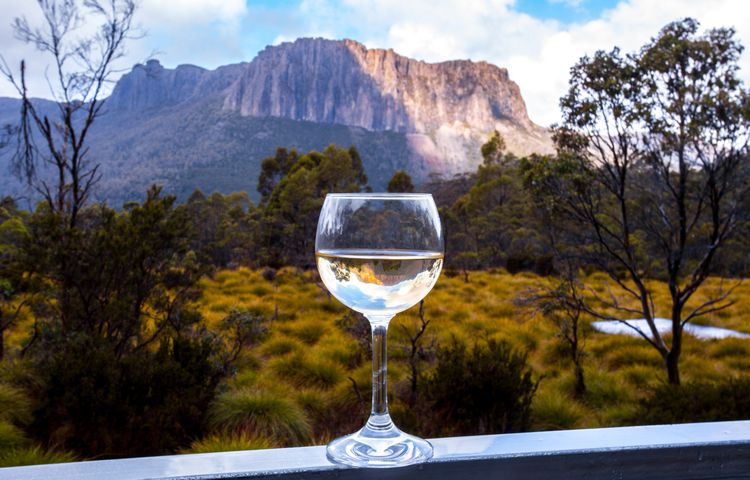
424,117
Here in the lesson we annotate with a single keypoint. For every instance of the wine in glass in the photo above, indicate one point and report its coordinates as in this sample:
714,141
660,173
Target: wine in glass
379,254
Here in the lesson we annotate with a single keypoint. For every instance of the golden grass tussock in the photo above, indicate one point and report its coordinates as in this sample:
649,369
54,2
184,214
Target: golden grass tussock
34,455
14,406
11,436
306,370
281,345
311,379
261,414
553,411
229,442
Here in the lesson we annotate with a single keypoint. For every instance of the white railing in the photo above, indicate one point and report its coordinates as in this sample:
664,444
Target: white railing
719,450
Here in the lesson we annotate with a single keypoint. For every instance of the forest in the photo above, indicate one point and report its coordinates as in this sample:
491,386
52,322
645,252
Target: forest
161,327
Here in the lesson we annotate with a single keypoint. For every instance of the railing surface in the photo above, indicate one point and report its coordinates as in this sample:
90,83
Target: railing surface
718,450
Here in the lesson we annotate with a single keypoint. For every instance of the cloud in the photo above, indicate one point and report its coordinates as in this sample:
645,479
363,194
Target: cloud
204,32
181,13
538,53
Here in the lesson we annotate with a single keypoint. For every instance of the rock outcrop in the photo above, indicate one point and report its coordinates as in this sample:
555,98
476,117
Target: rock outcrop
447,109
190,127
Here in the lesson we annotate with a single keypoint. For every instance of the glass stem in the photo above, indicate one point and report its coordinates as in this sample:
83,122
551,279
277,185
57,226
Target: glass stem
379,367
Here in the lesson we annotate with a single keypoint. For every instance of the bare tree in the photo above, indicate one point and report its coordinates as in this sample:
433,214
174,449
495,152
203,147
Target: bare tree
564,305
651,177
416,351
81,67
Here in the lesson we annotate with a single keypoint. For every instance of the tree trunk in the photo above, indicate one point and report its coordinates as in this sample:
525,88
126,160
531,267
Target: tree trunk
673,356
580,388
673,366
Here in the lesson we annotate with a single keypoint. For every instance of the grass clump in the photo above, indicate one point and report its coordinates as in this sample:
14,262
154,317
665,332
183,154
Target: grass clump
225,442
261,414
303,371
281,346
553,411
19,457
308,331
14,406
11,436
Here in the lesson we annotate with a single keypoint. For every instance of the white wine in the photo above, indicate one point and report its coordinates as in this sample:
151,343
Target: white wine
379,282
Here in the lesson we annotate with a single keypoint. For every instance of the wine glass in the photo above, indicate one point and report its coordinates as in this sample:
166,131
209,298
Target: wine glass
379,254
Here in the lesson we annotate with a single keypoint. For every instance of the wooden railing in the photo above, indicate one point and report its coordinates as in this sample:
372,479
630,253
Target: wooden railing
719,450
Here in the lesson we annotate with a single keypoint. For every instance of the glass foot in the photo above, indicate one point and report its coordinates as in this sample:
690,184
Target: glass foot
379,444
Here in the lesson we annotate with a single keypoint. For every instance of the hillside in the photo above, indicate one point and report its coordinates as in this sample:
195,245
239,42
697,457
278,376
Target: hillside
189,127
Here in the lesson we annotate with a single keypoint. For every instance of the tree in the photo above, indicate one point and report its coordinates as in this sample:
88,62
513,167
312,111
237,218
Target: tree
493,224
290,213
224,228
564,305
651,176
122,361
82,66
400,182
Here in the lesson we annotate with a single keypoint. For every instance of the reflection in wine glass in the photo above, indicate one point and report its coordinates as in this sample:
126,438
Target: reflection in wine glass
379,254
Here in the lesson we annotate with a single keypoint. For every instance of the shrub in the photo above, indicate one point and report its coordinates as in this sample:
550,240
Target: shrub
698,401
485,389
94,403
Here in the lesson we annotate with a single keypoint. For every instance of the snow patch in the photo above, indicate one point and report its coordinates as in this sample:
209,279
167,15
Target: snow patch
663,325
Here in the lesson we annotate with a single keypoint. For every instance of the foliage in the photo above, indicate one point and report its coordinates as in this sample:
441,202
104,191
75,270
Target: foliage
293,187
485,389
400,182
13,233
120,360
652,175
493,224
697,401
92,402
223,228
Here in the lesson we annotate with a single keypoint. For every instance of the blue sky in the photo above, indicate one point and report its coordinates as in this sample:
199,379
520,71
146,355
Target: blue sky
536,40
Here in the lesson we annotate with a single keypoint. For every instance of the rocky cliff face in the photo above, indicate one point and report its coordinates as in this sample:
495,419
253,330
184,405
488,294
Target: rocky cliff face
189,127
446,109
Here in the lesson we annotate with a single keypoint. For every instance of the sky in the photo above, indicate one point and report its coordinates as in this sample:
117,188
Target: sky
536,40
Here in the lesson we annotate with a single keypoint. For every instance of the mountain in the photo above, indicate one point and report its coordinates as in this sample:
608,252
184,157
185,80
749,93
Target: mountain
190,127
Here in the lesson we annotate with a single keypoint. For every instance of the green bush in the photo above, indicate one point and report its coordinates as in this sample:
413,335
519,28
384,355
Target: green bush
697,402
94,403
485,389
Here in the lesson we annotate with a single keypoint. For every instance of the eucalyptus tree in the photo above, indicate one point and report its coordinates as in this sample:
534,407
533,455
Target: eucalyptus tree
652,175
